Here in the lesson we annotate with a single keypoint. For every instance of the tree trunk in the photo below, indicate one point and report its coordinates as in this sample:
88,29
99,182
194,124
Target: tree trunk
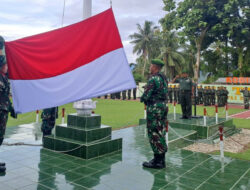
145,62
198,46
240,60
227,65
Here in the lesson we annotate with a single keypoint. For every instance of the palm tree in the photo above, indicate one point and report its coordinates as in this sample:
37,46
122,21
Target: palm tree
143,41
174,60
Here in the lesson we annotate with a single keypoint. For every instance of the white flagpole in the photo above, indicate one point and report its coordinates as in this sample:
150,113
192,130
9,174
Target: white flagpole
87,9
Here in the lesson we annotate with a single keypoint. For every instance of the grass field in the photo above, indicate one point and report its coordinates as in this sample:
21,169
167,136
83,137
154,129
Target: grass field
119,113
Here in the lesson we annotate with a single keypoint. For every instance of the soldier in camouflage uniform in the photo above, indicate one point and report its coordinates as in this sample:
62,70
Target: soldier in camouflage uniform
49,116
225,95
213,95
5,103
154,97
246,97
219,97
124,94
209,96
200,96
205,101
186,92
134,93
129,94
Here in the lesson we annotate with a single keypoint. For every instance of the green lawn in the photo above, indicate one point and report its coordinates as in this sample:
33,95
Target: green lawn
245,155
119,113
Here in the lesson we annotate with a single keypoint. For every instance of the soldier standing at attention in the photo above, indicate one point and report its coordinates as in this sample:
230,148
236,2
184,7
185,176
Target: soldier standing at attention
209,96
186,91
124,94
49,117
205,96
219,97
5,103
154,97
129,94
170,94
213,95
246,97
200,98
134,93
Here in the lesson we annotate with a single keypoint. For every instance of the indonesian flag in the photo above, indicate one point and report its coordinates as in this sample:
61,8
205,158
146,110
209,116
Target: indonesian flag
80,61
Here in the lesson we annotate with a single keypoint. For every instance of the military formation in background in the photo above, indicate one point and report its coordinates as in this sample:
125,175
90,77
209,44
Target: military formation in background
246,97
124,95
206,96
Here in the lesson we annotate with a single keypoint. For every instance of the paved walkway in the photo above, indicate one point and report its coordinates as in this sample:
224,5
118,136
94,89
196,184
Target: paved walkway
32,167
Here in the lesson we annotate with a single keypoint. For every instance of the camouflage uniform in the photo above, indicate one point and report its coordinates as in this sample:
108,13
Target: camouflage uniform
129,94
186,85
213,95
4,104
225,95
49,116
134,93
219,97
209,96
246,98
154,97
124,94
200,97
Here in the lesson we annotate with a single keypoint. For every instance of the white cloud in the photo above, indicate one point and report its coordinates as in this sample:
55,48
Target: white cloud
20,18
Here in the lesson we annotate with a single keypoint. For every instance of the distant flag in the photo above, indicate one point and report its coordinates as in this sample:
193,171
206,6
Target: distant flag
80,61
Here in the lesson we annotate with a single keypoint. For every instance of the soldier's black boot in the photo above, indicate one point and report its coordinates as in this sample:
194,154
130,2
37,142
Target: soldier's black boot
2,169
160,162
150,163
157,163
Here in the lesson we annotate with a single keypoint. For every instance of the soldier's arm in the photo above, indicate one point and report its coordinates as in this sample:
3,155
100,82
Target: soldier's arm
149,88
175,79
1,86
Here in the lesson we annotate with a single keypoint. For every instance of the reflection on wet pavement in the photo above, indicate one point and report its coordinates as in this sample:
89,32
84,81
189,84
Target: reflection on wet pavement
33,167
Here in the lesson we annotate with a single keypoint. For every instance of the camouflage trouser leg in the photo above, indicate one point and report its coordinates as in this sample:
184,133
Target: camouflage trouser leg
156,122
246,103
3,122
47,126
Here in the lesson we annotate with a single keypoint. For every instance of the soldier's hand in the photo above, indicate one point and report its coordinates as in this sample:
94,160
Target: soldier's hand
12,113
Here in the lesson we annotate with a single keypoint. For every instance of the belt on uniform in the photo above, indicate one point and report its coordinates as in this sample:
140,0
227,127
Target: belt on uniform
152,103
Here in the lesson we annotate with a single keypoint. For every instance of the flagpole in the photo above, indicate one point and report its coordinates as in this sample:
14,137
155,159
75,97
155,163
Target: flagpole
87,9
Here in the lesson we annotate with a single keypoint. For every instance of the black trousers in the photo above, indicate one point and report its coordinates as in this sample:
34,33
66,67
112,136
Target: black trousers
186,103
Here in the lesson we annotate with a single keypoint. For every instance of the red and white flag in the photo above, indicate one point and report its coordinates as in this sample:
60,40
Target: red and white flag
80,61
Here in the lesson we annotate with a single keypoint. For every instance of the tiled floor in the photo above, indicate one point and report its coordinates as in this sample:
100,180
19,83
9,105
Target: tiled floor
32,167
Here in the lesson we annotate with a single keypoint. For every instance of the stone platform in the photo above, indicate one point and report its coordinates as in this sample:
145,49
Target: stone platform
197,124
84,137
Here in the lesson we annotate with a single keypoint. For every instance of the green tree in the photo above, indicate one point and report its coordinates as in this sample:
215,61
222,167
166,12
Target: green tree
143,41
194,19
173,59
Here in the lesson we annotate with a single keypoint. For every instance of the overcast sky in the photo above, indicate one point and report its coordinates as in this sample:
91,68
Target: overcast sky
21,18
